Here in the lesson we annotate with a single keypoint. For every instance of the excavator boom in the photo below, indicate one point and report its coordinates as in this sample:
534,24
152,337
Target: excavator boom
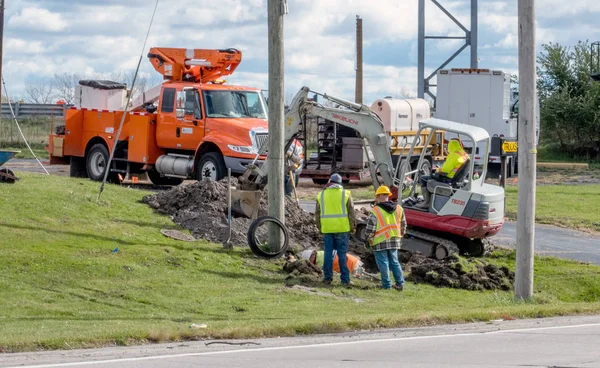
195,65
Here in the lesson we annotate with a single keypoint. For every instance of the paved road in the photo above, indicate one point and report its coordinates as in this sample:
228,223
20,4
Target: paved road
549,240
552,342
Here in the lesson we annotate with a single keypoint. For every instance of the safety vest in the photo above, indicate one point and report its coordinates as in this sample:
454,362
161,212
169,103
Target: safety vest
454,162
389,225
334,216
352,261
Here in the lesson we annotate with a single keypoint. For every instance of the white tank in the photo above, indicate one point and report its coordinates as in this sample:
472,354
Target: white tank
401,115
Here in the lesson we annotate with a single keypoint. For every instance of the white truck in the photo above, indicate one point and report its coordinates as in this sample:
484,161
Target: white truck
482,98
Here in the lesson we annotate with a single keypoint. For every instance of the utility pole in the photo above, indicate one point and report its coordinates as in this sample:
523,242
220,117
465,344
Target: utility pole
276,10
359,61
421,61
527,151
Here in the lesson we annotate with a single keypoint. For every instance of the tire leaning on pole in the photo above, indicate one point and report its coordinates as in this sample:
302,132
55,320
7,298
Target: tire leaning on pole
265,250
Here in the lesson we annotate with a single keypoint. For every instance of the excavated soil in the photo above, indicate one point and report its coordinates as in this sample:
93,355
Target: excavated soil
201,207
458,272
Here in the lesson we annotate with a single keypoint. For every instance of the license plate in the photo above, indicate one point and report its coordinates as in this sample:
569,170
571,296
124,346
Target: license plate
509,147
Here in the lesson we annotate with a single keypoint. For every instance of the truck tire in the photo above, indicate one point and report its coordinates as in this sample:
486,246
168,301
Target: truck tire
211,166
77,168
320,181
156,179
96,162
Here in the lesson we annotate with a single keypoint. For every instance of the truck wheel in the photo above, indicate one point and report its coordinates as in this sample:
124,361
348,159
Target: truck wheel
211,166
156,179
96,162
77,167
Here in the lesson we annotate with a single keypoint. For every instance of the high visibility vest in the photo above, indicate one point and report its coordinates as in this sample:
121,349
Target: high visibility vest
352,261
389,225
453,163
334,216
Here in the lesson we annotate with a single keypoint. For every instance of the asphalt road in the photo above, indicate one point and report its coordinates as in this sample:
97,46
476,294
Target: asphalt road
549,240
551,342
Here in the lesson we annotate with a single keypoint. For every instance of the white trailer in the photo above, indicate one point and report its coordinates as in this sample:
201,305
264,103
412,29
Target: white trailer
478,97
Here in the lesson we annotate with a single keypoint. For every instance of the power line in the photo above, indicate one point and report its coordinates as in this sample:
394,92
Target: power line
112,153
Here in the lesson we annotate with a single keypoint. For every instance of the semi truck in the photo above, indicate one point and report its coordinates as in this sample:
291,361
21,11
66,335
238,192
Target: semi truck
482,98
192,125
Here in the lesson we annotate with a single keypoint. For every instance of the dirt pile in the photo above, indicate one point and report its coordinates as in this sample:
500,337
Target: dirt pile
458,272
201,207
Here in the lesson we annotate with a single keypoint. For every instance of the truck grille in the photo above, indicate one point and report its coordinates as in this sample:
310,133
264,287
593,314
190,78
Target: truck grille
262,139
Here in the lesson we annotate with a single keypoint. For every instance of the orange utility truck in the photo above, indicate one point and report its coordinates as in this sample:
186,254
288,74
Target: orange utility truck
190,126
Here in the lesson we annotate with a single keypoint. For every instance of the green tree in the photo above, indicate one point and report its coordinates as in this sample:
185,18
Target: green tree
569,99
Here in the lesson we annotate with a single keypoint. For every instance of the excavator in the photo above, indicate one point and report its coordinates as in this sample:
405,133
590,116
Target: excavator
460,215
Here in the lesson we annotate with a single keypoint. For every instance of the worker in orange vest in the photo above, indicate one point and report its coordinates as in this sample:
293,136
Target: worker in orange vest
385,227
317,257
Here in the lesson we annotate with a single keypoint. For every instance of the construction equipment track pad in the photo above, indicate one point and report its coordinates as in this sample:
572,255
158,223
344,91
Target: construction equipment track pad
178,235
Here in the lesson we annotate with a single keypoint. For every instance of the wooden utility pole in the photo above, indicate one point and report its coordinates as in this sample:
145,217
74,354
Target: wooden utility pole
359,61
527,151
275,164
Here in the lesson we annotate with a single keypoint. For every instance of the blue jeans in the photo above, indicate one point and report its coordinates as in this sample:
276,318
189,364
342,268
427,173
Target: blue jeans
338,242
387,259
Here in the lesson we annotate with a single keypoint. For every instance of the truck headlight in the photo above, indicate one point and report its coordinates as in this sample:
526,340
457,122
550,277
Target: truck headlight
243,149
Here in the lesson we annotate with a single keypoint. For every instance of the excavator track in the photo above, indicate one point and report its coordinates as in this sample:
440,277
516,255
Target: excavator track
429,245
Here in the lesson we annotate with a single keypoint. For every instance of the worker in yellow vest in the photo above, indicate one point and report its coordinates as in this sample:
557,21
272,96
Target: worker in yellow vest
385,227
335,219
457,158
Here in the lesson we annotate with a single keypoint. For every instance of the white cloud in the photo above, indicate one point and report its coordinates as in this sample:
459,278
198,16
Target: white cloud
60,37
38,19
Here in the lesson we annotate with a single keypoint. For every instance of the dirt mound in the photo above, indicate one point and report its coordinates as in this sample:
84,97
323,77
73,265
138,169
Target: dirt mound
201,207
458,272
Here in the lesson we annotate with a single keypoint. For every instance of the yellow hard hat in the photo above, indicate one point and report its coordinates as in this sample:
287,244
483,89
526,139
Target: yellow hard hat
383,190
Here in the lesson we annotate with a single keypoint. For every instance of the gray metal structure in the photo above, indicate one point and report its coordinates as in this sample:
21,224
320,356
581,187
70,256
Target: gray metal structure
470,38
28,110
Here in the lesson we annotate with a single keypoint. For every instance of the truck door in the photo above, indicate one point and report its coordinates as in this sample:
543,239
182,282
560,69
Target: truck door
189,129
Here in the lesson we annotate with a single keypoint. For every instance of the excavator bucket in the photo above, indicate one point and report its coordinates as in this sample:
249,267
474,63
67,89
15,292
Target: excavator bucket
245,202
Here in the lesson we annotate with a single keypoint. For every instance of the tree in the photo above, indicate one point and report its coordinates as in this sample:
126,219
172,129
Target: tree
40,92
569,99
65,86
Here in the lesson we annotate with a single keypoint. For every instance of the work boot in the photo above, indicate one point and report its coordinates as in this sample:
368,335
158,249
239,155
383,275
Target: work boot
348,284
399,287
426,199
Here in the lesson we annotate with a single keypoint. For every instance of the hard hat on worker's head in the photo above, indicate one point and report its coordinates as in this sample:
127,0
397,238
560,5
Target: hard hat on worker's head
336,178
306,254
383,190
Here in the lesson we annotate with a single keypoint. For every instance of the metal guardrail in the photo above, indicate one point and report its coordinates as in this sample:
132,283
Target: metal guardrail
25,110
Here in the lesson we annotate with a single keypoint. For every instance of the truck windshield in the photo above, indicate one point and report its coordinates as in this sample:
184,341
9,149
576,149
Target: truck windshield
234,104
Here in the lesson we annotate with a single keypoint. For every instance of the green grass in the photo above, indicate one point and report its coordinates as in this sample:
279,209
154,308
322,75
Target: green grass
573,206
62,286
38,149
552,152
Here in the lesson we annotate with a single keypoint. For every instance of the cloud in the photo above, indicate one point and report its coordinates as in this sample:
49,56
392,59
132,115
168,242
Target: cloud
104,37
38,19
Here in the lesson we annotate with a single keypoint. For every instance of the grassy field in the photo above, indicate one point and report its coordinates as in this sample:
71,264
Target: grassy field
569,206
75,272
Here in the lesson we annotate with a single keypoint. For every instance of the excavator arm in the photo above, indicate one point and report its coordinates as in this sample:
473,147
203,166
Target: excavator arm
355,116
196,65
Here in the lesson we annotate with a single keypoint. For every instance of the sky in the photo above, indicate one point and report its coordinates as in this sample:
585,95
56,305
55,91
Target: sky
98,37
